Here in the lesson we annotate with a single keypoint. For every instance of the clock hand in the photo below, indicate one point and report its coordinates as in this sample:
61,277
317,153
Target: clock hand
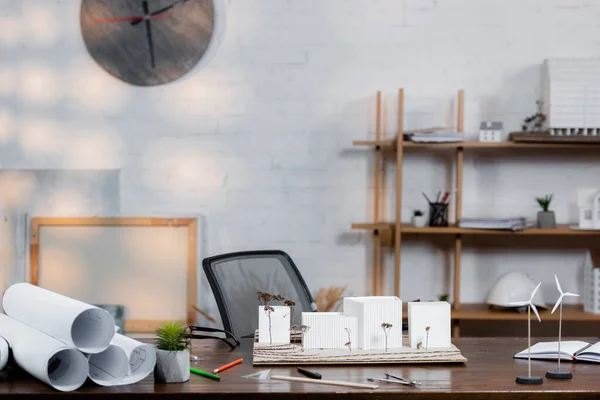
149,33
162,10
135,18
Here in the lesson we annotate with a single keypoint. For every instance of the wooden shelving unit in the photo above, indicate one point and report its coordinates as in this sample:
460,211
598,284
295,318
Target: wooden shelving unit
390,233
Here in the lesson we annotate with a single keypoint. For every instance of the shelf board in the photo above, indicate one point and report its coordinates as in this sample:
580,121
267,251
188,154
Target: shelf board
387,144
560,230
481,311
503,145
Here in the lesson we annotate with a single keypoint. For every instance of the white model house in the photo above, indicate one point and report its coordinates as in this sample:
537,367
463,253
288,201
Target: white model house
490,131
329,330
588,202
371,312
591,282
570,90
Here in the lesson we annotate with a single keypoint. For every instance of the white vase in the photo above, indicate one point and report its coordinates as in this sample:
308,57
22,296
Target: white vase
419,220
172,366
274,326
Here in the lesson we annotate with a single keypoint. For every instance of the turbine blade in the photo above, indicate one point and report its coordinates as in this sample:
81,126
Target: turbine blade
534,292
571,294
518,303
535,311
557,303
558,285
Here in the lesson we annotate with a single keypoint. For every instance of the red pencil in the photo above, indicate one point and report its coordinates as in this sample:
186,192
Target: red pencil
224,367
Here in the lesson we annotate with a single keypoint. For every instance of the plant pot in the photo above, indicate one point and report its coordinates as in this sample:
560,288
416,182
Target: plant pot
172,366
546,220
419,221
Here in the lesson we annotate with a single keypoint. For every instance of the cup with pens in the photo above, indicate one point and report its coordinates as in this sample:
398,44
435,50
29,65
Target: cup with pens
438,209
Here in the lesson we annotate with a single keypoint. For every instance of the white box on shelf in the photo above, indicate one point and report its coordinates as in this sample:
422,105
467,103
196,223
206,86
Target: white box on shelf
588,202
371,312
329,330
274,325
429,324
490,131
591,283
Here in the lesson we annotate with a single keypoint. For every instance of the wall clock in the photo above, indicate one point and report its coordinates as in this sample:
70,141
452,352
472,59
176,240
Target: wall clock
147,42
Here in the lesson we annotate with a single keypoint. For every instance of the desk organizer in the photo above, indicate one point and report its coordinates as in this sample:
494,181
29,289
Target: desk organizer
293,354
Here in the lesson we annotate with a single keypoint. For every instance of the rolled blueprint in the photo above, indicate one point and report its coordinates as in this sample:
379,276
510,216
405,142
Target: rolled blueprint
81,325
4,352
109,367
142,358
51,361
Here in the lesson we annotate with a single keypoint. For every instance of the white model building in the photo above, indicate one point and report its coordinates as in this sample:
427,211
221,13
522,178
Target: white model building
570,91
591,283
588,202
371,312
363,316
329,330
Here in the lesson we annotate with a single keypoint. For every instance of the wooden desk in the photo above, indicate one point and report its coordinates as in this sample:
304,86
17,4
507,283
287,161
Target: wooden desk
489,374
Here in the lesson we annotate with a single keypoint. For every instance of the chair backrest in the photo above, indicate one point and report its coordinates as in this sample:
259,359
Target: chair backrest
236,277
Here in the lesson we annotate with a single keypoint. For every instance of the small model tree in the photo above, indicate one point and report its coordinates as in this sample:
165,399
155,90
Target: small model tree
264,299
348,344
387,327
291,304
427,328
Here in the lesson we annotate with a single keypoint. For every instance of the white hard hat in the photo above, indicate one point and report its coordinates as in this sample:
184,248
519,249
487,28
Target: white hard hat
514,286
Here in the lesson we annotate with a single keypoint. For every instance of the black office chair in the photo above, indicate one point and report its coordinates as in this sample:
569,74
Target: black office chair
236,277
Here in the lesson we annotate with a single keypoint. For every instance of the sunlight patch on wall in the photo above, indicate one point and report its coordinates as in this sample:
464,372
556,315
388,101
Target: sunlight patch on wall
7,80
6,126
16,188
10,30
93,88
39,136
67,203
38,84
94,149
41,26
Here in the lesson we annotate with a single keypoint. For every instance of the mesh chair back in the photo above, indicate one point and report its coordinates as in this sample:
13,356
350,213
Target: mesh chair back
236,277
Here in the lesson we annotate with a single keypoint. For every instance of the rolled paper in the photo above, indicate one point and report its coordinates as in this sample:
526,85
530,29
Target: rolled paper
75,323
46,358
4,352
142,358
109,367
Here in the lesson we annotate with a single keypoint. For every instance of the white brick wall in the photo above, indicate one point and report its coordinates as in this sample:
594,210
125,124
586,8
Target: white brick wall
258,138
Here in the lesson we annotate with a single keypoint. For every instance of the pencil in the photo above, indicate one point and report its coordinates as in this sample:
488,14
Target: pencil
324,382
204,373
224,367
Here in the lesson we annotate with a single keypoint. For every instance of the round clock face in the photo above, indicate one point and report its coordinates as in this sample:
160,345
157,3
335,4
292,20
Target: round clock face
147,42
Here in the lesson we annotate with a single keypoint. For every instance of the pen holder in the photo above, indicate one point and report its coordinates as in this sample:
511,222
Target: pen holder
438,214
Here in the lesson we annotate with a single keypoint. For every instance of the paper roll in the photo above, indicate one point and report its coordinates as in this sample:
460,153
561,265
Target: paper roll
77,324
108,367
4,352
51,361
142,358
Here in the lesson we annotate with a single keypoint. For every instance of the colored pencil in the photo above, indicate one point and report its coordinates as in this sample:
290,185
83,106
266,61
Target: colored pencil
204,373
224,367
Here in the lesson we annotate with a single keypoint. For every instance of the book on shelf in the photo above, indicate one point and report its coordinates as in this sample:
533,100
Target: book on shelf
513,224
570,350
434,137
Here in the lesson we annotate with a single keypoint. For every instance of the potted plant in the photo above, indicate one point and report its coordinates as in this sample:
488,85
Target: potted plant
545,218
418,219
172,354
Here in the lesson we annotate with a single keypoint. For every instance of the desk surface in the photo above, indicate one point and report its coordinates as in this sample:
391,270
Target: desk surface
490,373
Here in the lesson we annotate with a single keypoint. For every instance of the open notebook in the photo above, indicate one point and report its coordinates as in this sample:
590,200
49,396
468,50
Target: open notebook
569,350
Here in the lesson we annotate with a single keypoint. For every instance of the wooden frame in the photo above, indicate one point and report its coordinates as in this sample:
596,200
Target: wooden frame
130,325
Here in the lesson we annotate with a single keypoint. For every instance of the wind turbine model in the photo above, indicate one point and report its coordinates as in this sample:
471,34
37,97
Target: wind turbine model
529,380
558,374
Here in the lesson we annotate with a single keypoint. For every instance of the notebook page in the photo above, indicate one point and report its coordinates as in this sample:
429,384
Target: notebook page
592,353
550,349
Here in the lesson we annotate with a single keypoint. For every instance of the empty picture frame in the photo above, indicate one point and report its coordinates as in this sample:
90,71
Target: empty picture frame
146,264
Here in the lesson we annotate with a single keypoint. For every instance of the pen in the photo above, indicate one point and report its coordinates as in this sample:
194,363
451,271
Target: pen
426,198
206,374
224,367
310,374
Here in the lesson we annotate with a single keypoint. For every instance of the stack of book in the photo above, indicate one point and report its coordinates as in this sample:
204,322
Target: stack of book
513,224
435,137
